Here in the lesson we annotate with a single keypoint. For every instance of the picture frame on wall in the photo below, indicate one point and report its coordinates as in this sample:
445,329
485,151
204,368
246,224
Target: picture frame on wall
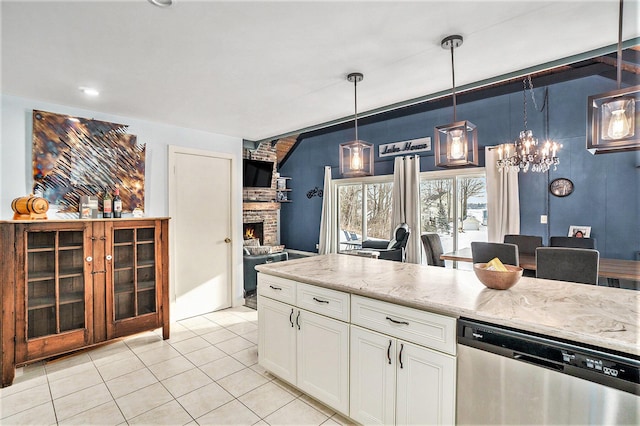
578,231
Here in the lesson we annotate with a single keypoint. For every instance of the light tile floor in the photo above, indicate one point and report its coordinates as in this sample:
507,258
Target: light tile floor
205,374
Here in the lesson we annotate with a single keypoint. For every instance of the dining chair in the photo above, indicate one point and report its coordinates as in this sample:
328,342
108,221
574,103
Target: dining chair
482,252
577,265
433,249
527,245
572,242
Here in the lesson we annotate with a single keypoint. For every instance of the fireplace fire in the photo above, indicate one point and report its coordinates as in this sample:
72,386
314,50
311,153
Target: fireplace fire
253,231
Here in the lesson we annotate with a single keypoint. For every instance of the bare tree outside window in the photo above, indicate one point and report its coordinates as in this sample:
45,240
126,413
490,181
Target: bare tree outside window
437,211
379,210
469,187
350,208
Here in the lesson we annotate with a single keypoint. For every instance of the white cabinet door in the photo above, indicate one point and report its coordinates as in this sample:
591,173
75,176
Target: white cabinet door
323,360
373,377
426,383
277,338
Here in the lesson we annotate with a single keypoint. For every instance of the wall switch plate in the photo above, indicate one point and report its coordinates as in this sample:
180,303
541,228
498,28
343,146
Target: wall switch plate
543,218
317,246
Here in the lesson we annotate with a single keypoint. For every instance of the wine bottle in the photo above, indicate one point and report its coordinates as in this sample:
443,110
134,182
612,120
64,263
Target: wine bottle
107,205
117,204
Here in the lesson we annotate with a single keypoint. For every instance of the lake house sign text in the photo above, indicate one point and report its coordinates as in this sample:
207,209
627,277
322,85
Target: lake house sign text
405,147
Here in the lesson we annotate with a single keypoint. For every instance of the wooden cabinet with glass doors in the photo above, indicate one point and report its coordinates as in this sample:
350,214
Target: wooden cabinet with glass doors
71,284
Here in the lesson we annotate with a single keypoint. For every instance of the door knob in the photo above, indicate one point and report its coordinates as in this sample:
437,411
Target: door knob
227,240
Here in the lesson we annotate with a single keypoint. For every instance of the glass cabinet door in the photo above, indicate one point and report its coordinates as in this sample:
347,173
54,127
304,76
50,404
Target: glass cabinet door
55,291
134,272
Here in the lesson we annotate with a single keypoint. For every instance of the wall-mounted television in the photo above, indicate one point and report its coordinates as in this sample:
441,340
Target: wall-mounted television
257,174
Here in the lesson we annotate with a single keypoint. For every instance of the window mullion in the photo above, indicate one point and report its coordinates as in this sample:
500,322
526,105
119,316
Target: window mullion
365,231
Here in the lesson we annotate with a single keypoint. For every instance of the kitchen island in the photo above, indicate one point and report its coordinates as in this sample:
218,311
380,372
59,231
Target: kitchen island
600,316
376,341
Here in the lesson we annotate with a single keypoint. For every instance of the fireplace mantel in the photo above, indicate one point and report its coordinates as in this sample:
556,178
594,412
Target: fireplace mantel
260,205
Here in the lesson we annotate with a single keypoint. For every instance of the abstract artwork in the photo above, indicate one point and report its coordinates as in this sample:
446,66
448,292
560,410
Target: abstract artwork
75,156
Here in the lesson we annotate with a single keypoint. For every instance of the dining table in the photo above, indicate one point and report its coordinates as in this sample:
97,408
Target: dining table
619,269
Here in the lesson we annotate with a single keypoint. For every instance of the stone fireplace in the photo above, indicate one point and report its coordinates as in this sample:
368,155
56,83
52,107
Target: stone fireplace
259,204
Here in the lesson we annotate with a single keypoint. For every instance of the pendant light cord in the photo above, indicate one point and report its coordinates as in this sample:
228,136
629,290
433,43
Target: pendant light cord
355,104
453,80
619,53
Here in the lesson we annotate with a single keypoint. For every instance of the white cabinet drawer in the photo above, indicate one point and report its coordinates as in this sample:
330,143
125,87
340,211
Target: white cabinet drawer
277,288
420,327
324,301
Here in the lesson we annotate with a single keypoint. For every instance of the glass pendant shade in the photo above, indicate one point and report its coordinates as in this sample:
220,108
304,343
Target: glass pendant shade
613,122
456,144
356,159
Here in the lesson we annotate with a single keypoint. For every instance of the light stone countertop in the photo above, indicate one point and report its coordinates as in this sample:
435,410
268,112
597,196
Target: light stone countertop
600,316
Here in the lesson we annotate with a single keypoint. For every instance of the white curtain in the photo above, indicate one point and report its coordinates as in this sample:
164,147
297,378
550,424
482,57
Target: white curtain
406,202
324,244
503,202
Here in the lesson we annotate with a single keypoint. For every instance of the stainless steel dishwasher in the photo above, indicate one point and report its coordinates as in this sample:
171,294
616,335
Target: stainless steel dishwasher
507,377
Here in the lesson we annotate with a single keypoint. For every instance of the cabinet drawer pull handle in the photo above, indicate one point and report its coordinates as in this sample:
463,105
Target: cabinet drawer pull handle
98,272
89,259
108,257
320,300
397,322
389,352
291,317
275,288
298,320
400,356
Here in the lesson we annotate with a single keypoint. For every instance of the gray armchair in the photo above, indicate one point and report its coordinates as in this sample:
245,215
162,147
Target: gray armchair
394,249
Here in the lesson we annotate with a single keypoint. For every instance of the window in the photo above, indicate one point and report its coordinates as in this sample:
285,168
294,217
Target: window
454,205
364,210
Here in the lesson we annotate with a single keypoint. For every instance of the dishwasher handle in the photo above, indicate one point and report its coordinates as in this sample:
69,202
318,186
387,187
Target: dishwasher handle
537,361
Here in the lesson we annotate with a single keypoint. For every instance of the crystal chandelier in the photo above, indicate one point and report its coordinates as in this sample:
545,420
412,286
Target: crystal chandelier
525,153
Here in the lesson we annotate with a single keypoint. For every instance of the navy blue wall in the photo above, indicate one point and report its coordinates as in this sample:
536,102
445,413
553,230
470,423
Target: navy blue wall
606,185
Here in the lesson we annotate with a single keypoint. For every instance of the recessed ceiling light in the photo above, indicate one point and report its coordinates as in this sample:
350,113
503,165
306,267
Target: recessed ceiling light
161,3
89,91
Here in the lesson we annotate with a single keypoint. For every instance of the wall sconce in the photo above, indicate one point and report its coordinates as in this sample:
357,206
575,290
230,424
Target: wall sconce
356,156
612,120
456,144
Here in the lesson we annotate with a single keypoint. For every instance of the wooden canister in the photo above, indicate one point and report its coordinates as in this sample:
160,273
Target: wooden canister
30,206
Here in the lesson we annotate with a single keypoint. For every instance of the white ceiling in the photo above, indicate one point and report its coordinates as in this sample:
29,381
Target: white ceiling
260,69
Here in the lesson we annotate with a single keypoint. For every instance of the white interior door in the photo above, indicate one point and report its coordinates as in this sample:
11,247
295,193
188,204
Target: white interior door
201,216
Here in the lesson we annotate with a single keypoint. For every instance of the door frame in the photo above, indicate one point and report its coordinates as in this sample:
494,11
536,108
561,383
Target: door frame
235,230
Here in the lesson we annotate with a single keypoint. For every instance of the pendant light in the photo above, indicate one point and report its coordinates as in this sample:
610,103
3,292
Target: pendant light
456,144
613,123
356,156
